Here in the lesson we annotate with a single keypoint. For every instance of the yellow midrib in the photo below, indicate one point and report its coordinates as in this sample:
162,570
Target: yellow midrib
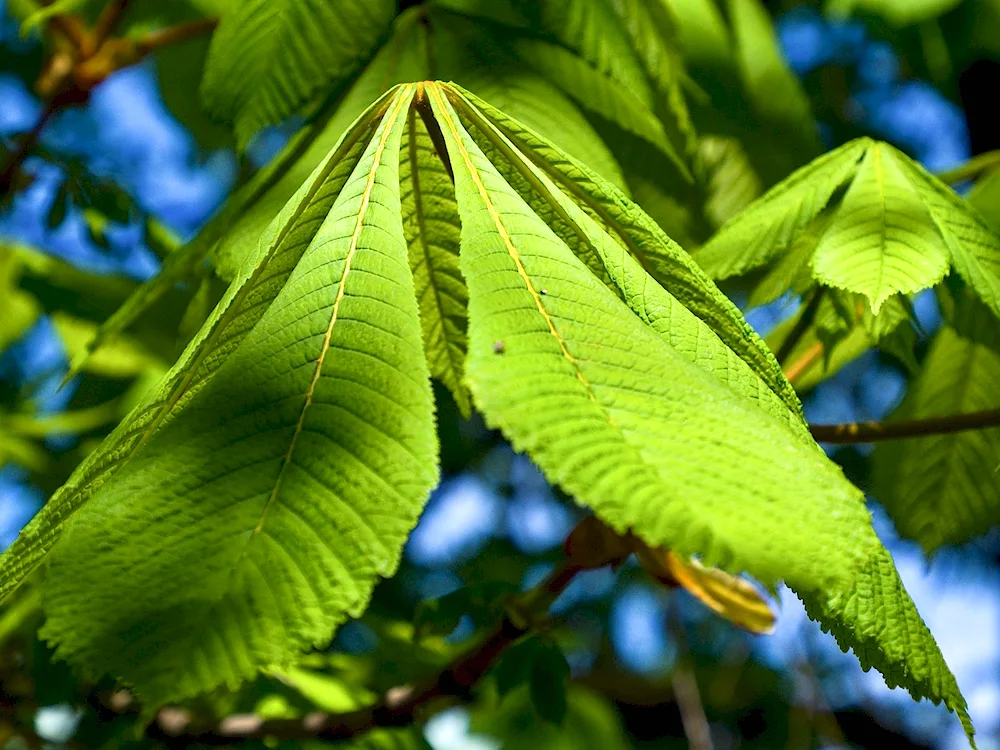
401,98
508,243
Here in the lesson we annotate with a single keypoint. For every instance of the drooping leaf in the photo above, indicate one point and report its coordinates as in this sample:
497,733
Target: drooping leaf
269,505
974,246
770,85
271,58
731,182
554,361
880,242
593,30
874,615
944,489
402,59
277,252
571,387
769,226
599,94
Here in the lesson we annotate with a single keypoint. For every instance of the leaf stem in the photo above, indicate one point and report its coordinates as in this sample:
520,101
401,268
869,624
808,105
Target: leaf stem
870,432
796,369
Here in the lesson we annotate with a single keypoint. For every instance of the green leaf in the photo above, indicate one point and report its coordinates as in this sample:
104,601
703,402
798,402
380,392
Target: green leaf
18,309
254,206
592,723
628,425
896,228
874,616
594,31
944,489
769,226
629,227
771,86
598,93
985,198
595,396
267,508
975,248
549,674
731,183
121,358
270,59
263,274
880,241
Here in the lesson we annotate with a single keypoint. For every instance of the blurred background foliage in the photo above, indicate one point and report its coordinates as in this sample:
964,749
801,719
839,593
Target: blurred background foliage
120,182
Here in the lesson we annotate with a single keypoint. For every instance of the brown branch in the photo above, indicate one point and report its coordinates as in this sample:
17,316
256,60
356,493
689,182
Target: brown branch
162,37
870,432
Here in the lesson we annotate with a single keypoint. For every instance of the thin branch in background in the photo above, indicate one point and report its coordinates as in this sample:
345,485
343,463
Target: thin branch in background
802,325
871,432
685,686
12,169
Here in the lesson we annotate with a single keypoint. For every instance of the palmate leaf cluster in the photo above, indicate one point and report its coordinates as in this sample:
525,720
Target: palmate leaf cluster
250,505
487,234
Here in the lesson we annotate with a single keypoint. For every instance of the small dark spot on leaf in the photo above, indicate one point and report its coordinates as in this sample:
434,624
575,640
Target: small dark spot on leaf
499,347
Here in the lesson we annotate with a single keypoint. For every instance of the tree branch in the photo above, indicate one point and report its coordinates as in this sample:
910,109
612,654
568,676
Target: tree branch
870,432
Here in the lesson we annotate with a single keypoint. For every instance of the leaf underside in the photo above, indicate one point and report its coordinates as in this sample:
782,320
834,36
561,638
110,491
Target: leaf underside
250,506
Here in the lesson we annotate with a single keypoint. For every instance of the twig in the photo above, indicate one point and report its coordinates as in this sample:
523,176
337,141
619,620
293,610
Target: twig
801,325
685,686
870,432
162,37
